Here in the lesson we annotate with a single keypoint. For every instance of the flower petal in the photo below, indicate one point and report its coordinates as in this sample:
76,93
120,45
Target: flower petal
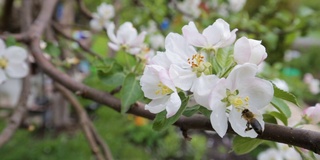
238,124
2,45
17,70
202,88
157,105
259,91
240,75
3,76
219,120
126,33
173,104
111,35
15,54
192,35
182,78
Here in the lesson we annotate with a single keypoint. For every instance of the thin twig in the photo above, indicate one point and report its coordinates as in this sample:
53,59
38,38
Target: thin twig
84,9
57,28
87,126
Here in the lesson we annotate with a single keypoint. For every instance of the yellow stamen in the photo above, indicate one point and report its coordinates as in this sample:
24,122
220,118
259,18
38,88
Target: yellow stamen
163,90
3,63
195,60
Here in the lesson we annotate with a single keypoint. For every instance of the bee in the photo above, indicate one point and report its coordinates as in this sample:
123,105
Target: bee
251,121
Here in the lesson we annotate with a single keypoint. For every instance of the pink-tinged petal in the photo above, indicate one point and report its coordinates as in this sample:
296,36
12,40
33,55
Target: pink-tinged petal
3,76
114,46
259,91
182,78
240,75
2,45
110,32
249,51
242,50
202,88
212,34
126,33
17,70
173,104
139,39
313,113
149,83
230,40
192,35
219,120
238,124
157,105
15,54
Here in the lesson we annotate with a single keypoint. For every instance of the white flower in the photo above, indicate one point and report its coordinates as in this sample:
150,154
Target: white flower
186,63
157,41
126,38
312,83
191,7
242,90
313,113
12,62
157,86
215,36
101,19
249,51
236,5
270,154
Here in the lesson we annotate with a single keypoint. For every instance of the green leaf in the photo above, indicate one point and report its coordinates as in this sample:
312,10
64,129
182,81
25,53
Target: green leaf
205,111
52,49
161,122
189,111
242,145
114,80
130,92
281,106
280,116
279,93
105,66
270,119
11,41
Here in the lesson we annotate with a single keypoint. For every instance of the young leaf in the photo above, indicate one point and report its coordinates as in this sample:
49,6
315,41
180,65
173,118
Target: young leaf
205,111
279,93
161,122
280,116
281,106
114,80
130,92
242,145
191,110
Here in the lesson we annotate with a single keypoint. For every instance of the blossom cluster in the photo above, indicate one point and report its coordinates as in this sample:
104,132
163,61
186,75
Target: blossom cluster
102,17
12,62
187,65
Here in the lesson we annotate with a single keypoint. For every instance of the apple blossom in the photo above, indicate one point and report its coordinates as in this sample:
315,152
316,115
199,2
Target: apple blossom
126,38
313,114
191,7
215,36
249,51
241,90
312,83
186,63
101,19
157,86
12,62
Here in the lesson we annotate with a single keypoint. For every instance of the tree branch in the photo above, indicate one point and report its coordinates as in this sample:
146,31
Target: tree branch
92,135
84,9
17,115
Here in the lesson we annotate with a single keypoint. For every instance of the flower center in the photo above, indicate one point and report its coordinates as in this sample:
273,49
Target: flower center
196,60
198,64
163,89
236,101
3,63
